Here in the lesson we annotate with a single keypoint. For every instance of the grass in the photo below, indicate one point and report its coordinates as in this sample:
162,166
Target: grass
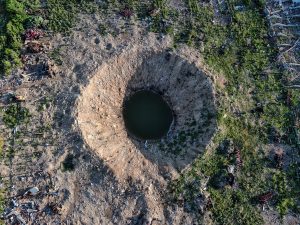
62,14
44,104
18,15
15,18
252,113
14,115
55,55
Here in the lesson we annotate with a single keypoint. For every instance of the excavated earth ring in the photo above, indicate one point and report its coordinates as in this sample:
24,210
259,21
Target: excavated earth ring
179,79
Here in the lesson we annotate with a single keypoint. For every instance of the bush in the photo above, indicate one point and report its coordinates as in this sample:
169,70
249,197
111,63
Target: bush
15,115
10,40
15,7
7,67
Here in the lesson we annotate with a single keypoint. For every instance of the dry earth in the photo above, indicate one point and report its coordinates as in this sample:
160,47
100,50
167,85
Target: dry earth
117,179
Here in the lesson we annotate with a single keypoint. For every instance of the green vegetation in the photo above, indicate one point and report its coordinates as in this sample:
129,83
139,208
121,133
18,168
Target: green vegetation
14,115
56,56
253,111
285,199
62,14
14,18
233,208
18,15
44,104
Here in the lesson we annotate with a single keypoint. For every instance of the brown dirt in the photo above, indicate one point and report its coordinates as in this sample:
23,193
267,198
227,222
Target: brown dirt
105,188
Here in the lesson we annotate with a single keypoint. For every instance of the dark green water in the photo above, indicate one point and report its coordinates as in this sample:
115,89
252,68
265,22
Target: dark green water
147,116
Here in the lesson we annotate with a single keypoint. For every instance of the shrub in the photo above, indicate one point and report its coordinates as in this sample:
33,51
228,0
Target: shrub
15,115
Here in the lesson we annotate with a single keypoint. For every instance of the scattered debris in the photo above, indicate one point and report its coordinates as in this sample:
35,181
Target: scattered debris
154,12
11,97
15,216
226,147
19,98
203,185
15,130
24,58
32,191
51,69
231,179
230,169
33,34
34,47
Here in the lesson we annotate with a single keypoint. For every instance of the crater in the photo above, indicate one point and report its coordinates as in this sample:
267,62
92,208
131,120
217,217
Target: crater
148,112
147,116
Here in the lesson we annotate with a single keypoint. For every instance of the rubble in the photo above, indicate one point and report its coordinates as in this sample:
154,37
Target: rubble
33,34
51,68
16,216
32,191
34,47
11,97
28,207
19,98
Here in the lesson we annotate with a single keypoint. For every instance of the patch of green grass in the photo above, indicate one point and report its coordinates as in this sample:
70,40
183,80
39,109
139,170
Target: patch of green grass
252,113
44,103
15,115
232,207
284,197
13,17
56,56
62,14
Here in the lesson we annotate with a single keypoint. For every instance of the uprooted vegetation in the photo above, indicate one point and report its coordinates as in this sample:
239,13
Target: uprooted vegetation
255,108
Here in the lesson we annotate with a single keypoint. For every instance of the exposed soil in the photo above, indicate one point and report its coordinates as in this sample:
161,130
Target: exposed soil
100,109
178,77
127,184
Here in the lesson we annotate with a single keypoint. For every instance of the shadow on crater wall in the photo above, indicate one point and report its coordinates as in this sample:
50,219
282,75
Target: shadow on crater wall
189,92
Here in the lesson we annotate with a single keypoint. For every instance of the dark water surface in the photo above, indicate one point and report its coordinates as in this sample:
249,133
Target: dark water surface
147,116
